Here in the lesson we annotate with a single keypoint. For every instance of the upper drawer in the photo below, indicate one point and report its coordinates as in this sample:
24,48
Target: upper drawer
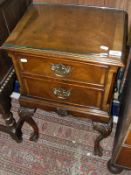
62,68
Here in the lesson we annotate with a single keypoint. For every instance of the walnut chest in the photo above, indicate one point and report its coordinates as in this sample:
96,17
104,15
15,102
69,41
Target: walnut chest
66,58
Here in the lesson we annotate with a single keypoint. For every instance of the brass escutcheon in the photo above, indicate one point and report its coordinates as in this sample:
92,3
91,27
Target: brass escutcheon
60,70
61,93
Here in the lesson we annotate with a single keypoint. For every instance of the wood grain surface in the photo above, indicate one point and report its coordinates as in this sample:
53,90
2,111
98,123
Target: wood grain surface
120,4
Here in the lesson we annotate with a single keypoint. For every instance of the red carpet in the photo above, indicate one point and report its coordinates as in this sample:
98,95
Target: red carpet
65,147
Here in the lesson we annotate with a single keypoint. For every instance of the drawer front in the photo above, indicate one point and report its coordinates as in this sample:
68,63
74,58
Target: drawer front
124,157
67,93
59,68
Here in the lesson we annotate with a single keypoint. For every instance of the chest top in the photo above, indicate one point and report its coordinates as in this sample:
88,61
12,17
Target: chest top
74,30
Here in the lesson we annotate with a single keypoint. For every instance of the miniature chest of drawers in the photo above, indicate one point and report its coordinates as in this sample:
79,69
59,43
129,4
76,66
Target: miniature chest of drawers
66,58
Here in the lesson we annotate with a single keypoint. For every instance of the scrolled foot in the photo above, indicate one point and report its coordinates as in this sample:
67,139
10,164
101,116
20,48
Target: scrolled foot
98,151
114,169
34,137
17,138
18,130
104,130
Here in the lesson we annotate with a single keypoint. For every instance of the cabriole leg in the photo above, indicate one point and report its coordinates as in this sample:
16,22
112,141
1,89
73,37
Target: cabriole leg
26,116
104,130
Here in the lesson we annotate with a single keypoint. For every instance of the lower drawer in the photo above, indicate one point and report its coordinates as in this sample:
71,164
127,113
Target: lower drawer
51,89
124,157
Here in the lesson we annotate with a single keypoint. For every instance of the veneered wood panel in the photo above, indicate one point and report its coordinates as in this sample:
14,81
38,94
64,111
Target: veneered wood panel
120,4
65,28
78,71
55,90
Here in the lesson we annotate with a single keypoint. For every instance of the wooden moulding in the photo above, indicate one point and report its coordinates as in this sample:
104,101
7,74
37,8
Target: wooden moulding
91,113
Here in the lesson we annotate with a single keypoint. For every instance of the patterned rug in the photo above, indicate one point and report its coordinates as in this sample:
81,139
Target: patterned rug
65,147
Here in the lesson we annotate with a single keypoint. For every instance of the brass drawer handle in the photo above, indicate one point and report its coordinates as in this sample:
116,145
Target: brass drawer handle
61,93
60,70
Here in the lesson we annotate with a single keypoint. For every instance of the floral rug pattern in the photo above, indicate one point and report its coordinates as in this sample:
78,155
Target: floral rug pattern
65,147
